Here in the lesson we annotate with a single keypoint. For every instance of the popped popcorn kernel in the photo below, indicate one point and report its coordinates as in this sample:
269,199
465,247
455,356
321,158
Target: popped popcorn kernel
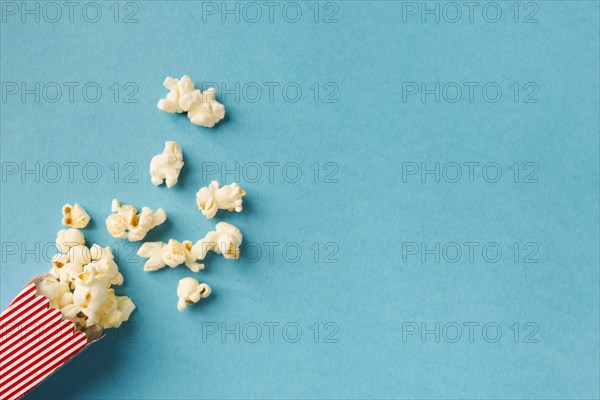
170,254
75,216
211,199
126,223
190,291
225,240
167,165
202,108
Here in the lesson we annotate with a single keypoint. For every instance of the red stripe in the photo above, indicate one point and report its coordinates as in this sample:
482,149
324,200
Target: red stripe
26,383
42,315
47,355
51,332
34,342
18,366
25,343
37,305
26,292
50,313
24,308
9,312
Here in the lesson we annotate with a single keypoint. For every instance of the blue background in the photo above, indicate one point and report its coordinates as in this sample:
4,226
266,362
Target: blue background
371,294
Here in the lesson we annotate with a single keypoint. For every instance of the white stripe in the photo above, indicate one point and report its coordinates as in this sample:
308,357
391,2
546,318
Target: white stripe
46,356
10,308
28,385
14,336
36,303
35,312
33,342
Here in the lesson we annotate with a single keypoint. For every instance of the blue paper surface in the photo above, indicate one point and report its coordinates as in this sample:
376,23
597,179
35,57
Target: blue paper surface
422,216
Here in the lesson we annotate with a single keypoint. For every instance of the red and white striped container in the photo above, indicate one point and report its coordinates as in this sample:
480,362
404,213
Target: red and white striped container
34,342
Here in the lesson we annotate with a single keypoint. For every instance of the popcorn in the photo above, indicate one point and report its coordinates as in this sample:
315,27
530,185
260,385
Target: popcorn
67,238
69,272
91,290
173,253
75,216
152,251
54,291
212,198
202,108
226,240
190,291
166,166
59,260
79,283
108,267
177,89
115,310
127,223
98,252
80,254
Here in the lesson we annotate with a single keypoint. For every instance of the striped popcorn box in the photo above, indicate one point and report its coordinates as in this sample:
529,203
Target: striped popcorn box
35,341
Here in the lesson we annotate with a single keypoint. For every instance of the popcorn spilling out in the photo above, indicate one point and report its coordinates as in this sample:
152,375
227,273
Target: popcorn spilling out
212,198
167,165
75,216
226,240
202,107
79,283
173,253
127,223
190,291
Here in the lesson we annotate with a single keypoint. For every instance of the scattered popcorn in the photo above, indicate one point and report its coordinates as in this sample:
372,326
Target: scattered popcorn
67,238
79,283
75,216
226,240
173,253
177,89
190,291
212,198
166,166
127,223
202,108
